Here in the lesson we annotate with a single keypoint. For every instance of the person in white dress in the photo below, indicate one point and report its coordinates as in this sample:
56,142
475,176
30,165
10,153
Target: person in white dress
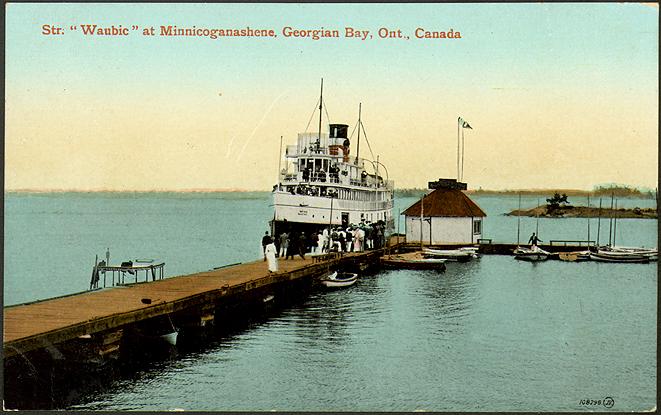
270,252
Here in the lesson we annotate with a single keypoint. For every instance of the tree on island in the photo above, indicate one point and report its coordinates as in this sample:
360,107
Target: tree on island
555,202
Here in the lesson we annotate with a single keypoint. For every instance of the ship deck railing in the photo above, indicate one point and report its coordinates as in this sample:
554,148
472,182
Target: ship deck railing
292,179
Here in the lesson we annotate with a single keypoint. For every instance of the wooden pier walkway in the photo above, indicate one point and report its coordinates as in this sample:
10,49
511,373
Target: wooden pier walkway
40,324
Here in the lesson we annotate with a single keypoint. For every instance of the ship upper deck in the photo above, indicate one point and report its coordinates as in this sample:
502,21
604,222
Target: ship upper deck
325,160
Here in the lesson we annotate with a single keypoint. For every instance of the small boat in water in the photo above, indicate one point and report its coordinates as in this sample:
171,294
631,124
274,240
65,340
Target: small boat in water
651,253
158,330
414,261
575,256
170,338
534,254
459,255
614,256
339,280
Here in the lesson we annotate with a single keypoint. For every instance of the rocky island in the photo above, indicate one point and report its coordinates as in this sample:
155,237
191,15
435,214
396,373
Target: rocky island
559,207
586,212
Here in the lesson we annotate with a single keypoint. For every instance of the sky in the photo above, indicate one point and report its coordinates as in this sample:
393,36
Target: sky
558,95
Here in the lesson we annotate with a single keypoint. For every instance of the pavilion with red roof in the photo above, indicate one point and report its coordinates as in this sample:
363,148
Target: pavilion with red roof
448,216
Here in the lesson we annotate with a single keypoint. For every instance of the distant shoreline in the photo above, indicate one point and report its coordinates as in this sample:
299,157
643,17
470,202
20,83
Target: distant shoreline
620,192
135,191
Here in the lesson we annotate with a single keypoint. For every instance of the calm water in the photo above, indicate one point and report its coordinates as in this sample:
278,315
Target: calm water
494,334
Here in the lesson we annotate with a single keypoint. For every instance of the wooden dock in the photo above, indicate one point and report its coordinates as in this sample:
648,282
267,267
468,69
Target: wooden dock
41,324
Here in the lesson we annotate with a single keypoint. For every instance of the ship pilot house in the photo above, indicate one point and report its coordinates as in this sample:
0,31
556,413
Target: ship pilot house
444,216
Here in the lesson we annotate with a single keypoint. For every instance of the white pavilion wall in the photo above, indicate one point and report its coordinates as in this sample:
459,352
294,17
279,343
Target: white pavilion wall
444,230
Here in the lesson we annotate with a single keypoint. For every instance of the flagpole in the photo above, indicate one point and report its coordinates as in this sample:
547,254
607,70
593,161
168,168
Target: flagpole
462,153
458,128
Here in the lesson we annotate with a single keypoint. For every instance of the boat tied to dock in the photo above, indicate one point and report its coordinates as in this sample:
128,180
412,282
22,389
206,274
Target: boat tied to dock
339,279
463,254
413,261
532,254
323,184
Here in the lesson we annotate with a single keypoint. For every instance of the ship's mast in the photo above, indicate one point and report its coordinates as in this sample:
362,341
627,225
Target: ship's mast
321,101
359,125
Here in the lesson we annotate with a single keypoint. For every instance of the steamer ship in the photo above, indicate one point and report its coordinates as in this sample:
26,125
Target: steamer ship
322,184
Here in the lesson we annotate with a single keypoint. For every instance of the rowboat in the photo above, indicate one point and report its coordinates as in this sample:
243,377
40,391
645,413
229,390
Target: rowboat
414,261
459,255
157,330
575,256
339,280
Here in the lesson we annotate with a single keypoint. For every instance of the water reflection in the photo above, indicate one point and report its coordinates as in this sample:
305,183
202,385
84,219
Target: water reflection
322,321
449,296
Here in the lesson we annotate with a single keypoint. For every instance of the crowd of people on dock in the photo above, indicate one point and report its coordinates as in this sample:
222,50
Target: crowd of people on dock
355,238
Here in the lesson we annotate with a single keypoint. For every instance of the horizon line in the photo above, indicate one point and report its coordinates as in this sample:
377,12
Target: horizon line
242,190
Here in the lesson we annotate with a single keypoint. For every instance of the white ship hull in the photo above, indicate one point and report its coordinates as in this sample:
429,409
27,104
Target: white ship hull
317,210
